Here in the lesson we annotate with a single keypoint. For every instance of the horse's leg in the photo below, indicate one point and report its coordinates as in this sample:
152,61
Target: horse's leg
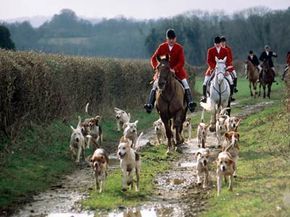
250,86
229,106
167,124
213,120
260,89
264,91
178,121
269,90
255,89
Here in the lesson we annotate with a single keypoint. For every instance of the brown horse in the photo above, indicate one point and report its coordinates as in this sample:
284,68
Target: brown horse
253,76
266,79
170,102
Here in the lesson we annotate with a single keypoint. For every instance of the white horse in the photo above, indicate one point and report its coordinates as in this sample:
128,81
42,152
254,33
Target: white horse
219,92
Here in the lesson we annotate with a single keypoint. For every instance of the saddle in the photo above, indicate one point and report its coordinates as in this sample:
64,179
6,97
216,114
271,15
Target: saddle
209,82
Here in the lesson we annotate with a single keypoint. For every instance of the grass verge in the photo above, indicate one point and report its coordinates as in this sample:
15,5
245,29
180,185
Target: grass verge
262,187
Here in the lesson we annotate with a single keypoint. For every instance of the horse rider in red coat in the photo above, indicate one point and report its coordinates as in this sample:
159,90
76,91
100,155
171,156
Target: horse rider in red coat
176,62
216,51
230,68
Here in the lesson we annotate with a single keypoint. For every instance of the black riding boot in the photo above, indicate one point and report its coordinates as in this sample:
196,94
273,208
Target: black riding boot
235,85
203,99
232,92
191,105
150,102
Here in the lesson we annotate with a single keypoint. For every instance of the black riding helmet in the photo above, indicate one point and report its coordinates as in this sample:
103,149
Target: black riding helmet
223,38
217,40
170,34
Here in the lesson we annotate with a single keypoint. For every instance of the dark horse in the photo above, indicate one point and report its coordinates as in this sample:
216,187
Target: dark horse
253,76
266,79
170,102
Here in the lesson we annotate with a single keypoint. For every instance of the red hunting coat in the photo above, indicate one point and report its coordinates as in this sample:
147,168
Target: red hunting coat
211,54
176,60
288,59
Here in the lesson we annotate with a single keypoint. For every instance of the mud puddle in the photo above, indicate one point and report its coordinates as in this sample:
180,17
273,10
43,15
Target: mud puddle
176,193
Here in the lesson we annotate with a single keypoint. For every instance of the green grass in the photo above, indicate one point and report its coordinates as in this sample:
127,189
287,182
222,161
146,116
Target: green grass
154,160
39,156
36,159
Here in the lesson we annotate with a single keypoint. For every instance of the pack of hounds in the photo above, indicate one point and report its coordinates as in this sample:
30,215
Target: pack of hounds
89,133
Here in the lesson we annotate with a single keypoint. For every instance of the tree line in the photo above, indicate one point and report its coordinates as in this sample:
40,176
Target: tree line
66,33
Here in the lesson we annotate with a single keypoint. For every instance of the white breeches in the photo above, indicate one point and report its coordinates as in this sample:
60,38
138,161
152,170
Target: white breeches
184,83
206,79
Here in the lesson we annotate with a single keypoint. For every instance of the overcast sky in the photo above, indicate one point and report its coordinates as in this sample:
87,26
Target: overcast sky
129,8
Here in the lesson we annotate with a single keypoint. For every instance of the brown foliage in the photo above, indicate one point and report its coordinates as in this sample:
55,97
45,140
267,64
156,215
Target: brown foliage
39,87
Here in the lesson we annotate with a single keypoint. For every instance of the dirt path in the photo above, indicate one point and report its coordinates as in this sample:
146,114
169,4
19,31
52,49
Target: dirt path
176,191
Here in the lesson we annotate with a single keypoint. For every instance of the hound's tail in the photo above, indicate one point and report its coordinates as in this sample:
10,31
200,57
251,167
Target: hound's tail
87,107
222,112
117,109
79,123
207,106
138,140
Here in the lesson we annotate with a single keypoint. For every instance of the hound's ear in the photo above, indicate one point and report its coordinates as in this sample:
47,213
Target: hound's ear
92,159
196,154
129,116
238,135
158,58
227,135
102,159
231,161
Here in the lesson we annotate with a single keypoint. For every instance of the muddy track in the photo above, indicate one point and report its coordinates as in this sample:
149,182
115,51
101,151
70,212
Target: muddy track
176,191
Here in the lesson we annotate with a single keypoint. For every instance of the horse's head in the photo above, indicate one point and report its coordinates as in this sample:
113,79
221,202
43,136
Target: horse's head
220,69
164,71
